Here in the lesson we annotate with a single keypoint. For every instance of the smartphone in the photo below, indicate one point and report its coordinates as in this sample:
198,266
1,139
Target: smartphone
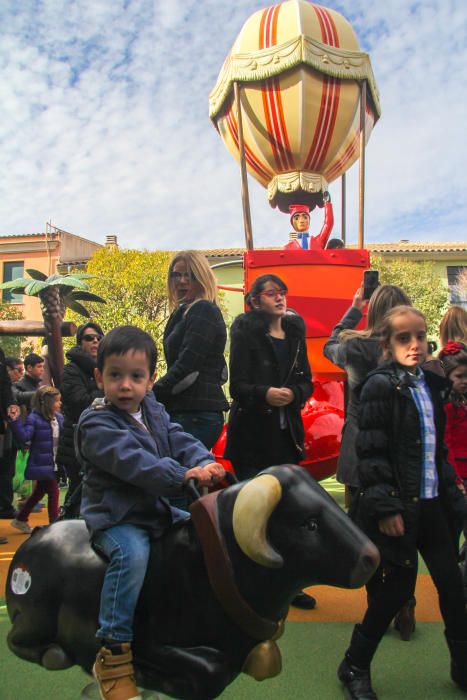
370,283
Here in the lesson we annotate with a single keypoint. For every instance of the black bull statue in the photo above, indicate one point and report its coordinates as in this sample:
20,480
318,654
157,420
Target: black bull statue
216,591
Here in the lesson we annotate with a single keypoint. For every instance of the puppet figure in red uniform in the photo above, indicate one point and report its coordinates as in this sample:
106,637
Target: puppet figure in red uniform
300,220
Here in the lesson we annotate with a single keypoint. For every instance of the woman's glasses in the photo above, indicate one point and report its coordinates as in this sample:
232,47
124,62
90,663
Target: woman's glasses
89,337
273,293
177,276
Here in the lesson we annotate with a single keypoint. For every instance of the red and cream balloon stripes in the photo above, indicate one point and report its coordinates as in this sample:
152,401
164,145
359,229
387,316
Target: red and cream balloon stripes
272,100
301,120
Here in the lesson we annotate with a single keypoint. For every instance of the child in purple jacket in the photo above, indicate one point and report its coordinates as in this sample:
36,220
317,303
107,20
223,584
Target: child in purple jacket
40,432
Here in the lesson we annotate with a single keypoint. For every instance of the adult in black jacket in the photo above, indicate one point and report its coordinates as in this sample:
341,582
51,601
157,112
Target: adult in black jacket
270,380
194,342
32,379
79,389
407,499
7,463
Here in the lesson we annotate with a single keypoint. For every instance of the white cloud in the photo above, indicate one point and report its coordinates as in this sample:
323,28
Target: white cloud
104,123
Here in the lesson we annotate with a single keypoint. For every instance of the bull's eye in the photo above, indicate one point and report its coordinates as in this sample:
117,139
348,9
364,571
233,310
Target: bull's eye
311,524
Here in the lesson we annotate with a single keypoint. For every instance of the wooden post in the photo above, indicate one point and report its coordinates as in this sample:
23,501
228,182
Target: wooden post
245,195
34,328
343,205
361,197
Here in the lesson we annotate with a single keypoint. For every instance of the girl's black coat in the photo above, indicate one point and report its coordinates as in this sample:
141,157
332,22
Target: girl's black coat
389,447
254,424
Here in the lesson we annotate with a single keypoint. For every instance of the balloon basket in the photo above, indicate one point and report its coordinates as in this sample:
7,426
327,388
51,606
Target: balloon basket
91,692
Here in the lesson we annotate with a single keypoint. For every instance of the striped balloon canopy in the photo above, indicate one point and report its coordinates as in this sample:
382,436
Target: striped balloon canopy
300,69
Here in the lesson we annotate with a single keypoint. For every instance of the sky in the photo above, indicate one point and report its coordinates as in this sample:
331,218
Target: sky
104,124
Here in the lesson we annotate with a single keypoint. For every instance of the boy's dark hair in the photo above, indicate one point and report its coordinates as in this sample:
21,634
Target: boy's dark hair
32,360
13,362
125,339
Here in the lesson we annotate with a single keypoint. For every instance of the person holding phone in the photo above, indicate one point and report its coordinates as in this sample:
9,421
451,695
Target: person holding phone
358,353
370,283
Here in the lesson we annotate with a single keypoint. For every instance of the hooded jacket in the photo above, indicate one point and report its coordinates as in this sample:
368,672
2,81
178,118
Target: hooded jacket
254,368
79,389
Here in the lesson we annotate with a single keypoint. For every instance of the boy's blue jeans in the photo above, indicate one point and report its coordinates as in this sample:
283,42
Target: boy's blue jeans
127,547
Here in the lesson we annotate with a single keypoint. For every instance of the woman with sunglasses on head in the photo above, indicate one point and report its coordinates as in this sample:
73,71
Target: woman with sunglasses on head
270,380
194,342
79,389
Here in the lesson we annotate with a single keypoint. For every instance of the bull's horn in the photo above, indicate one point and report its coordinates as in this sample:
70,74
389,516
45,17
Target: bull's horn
255,503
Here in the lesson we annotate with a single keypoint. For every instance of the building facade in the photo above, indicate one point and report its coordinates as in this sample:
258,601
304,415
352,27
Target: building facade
52,251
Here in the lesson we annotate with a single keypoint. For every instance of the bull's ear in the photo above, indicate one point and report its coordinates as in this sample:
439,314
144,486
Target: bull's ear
253,507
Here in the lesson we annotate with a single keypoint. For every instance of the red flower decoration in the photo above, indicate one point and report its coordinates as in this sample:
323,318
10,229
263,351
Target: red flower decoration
452,348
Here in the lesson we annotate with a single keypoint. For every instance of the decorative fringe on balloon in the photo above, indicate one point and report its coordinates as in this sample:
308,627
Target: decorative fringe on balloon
302,50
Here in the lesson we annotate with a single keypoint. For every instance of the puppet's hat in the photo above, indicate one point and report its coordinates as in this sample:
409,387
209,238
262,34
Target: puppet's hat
298,209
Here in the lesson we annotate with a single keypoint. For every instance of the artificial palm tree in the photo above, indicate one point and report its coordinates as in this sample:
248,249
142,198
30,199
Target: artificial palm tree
56,293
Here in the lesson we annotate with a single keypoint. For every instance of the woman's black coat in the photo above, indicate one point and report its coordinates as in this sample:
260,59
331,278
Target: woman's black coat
389,447
254,424
78,389
6,395
194,343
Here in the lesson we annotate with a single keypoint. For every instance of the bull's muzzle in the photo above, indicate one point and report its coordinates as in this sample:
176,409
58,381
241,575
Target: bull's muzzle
366,565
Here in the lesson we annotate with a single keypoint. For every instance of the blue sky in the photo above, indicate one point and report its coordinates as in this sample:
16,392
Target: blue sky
105,126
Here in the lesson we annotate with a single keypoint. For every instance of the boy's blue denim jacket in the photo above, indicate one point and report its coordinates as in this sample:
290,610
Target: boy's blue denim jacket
128,471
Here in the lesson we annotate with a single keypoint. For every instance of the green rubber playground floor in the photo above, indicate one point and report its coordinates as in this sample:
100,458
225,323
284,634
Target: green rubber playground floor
311,651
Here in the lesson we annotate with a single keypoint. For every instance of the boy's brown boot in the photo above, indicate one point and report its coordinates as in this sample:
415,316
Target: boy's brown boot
114,674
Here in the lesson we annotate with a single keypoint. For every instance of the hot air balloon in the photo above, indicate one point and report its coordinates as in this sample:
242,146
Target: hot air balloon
295,103
298,73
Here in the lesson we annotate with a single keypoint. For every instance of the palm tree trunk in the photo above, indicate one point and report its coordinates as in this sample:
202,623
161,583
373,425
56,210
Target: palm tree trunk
53,311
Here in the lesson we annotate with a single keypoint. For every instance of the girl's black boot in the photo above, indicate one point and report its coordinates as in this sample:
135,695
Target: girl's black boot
354,670
458,649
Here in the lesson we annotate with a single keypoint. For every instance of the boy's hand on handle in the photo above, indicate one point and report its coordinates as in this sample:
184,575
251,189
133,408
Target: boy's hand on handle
393,525
208,475
358,300
279,396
